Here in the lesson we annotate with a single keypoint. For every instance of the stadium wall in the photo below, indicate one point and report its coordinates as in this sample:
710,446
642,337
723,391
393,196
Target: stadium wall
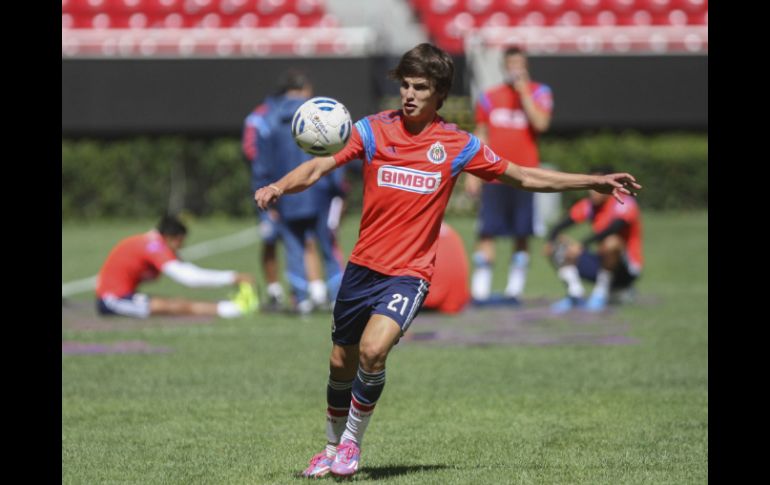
210,97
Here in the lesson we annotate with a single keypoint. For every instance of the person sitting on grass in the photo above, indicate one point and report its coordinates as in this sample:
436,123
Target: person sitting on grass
144,257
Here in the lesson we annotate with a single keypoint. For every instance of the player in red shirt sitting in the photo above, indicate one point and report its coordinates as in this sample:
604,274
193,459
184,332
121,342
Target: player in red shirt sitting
144,257
411,161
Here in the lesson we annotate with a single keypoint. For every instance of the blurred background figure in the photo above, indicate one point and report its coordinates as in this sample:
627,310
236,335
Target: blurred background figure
617,262
449,289
145,257
300,220
509,117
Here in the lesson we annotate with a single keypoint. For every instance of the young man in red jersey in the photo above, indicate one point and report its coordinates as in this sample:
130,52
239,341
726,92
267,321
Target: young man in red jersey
509,118
411,161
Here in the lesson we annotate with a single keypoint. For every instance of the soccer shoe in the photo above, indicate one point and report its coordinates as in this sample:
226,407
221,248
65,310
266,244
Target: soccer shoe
346,462
246,299
566,304
320,466
595,304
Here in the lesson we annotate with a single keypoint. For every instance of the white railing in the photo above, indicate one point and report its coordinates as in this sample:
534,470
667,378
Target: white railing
233,42
600,40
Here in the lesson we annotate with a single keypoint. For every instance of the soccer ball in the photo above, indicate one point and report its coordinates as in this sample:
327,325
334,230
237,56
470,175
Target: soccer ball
321,126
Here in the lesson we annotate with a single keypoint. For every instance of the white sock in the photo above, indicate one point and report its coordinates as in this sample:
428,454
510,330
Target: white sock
603,281
569,274
228,309
331,450
275,290
481,281
317,291
356,425
335,426
517,274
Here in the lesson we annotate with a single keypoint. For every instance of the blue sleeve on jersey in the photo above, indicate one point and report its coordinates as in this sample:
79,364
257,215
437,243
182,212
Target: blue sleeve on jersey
485,102
367,138
468,152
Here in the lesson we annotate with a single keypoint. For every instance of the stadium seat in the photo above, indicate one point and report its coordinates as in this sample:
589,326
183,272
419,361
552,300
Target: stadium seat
234,7
478,7
443,7
602,18
621,6
497,19
569,18
518,7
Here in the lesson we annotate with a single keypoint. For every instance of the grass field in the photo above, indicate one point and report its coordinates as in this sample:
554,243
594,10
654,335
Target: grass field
511,396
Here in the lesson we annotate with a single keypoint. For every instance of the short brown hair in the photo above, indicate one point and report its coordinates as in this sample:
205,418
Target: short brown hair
430,62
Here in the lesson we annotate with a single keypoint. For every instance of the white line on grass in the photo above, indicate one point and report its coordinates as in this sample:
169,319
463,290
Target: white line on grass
200,250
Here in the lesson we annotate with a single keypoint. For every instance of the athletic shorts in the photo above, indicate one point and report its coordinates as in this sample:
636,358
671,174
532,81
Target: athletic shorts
364,293
135,305
506,211
588,265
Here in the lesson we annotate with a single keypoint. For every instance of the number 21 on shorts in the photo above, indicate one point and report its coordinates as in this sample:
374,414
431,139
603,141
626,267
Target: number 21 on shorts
398,298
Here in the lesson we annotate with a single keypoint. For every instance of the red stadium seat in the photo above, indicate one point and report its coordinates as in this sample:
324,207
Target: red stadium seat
549,7
656,6
164,6
271,7
518,7
234,7
533,19
479,7
199,7
309,7
621,6
443,7
603,18
569,18
248,20
497,19
691,6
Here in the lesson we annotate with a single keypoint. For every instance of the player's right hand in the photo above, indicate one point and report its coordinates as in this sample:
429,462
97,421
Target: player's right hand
266,196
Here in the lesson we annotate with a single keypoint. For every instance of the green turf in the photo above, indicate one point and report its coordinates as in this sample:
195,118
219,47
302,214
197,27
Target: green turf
242,401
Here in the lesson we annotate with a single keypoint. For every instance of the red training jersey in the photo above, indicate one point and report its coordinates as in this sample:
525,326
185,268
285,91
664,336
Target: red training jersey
602,217
133,260
508,128
407,183
449,290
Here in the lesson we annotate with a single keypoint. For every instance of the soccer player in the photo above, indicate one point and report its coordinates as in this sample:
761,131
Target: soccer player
411,161
144,257
299,220
509,118
616,264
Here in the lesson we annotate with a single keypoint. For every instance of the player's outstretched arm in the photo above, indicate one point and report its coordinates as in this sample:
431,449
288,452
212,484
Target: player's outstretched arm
297,180
542,180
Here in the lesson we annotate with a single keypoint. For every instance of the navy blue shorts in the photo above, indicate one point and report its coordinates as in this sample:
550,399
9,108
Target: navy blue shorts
506,211
135,305
364,292
588,265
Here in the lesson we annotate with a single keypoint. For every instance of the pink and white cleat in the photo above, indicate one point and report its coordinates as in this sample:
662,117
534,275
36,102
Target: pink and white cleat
320,465
346,462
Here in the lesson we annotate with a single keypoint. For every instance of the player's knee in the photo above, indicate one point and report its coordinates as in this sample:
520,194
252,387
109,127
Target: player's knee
611,244
373,356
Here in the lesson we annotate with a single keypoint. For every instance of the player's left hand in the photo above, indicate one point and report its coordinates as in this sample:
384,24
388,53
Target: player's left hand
617,184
